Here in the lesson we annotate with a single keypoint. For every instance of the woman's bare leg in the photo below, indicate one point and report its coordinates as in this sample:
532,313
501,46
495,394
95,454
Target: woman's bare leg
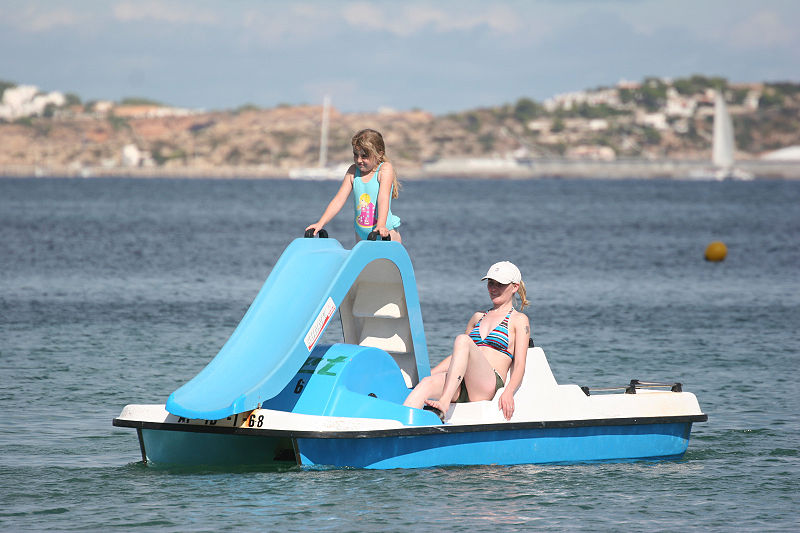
429,387
466,363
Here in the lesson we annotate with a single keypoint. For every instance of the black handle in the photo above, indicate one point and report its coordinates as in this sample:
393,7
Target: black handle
373,236
310,234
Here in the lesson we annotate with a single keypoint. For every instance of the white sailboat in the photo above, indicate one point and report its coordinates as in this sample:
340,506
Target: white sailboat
322,171
722,148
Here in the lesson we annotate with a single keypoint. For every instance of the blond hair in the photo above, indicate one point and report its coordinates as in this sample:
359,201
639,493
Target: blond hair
523,301
371,142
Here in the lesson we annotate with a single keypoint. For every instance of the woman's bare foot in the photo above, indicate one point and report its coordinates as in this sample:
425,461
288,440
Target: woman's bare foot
439,404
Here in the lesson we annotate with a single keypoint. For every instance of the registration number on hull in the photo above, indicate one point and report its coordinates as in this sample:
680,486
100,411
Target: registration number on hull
248,419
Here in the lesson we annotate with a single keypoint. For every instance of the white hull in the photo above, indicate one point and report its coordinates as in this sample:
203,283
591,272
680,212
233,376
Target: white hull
551,423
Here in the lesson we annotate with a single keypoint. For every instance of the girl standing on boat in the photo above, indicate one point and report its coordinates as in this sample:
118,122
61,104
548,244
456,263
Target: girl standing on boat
373,182
493,342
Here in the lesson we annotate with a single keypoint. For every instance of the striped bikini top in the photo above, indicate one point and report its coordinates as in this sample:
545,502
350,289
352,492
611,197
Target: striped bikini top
496,339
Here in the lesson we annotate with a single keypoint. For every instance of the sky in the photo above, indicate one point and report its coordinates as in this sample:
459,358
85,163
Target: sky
441,56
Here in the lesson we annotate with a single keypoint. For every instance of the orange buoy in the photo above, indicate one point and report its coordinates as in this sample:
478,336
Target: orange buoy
716,251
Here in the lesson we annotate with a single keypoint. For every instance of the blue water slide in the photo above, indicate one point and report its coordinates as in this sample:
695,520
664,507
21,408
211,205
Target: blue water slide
283,324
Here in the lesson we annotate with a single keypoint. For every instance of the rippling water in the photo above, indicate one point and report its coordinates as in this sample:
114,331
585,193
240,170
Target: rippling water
119,291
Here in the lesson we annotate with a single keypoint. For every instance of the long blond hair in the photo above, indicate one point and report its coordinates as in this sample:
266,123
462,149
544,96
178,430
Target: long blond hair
523,301
371,141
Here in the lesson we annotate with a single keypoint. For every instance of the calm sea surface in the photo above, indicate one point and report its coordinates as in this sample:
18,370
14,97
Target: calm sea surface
119,291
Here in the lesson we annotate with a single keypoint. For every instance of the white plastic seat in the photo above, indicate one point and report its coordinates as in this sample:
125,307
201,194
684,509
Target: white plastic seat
388,335
379,300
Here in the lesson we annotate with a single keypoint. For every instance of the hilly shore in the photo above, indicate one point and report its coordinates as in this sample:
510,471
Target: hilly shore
653,128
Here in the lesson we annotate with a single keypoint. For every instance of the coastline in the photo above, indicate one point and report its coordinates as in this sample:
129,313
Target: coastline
531,169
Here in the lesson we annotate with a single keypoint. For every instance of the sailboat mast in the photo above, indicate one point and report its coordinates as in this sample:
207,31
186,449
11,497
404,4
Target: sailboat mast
323,142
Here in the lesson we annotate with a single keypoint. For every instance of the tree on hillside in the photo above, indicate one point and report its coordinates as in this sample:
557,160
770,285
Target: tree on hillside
5,85
697,84
135,100
526,110
653,94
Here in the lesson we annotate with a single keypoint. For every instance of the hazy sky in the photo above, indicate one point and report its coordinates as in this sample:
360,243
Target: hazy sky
440,56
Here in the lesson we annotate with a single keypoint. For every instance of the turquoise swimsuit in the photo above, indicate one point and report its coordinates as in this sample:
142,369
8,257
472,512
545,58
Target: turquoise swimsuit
365,202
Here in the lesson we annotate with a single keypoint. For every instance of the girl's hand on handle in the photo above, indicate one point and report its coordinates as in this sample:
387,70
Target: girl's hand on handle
382,230
316,226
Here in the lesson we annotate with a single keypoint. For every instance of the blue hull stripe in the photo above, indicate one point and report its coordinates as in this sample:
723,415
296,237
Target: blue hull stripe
607,443
557,445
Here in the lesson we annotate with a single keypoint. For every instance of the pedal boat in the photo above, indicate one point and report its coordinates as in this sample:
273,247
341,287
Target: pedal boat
291,401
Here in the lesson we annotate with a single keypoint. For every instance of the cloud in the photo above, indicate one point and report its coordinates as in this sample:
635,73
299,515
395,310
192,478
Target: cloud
404,20
38,17
34,20
312,22
162,12
286,25
763,29
346,91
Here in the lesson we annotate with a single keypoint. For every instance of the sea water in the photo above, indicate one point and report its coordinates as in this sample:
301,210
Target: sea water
119,291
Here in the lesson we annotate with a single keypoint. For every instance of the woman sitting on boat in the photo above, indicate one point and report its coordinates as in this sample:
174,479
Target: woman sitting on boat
494,342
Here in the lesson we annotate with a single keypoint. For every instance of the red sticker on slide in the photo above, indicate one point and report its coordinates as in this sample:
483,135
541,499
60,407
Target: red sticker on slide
319,324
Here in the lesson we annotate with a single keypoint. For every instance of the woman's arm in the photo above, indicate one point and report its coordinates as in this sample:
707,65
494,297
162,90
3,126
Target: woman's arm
442,366
472,321
337,202
522,332
385,179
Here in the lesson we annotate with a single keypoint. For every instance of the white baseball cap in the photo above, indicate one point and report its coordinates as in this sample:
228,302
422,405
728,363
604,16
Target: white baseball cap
503,272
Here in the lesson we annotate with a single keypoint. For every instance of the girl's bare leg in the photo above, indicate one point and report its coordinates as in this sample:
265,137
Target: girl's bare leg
395,235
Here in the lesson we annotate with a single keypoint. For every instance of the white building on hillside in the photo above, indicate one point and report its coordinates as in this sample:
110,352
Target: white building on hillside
678,105
654,120
26,101
567,101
